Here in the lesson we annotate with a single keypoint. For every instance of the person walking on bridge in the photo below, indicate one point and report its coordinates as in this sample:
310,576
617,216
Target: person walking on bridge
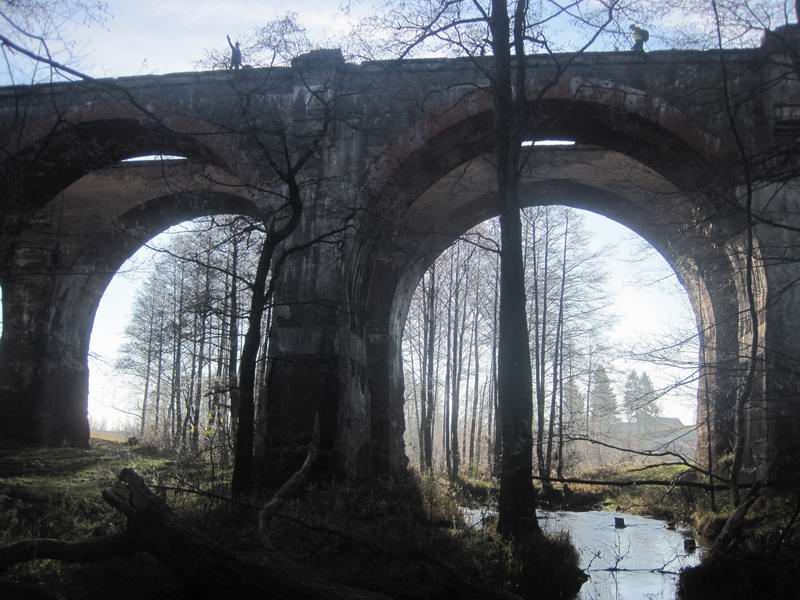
236,54
640,36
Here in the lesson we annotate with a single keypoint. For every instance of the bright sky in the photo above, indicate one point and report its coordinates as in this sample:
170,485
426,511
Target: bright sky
652,309
158,36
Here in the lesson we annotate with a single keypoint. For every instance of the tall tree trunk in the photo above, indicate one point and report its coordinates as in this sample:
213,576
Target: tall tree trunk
553,394
589,389
243,454
176,374
517,503
202,316
261,295
199,384
233,341
438,365
556,351
220,422
246,413
415,386
160,370
423,384
430,382
423,424
495,433
540,360
190,397
447,373
210,358
477,371
262,379
147,372
455,397
536,342
560,464
465,421
480,426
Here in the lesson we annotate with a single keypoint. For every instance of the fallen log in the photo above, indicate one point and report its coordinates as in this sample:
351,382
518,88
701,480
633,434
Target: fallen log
210,570
290,487
730,535
88,551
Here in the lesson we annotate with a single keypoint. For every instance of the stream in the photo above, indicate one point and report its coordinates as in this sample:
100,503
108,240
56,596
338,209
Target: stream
638,552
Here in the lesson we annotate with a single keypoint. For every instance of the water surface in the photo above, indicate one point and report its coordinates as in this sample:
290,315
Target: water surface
640,562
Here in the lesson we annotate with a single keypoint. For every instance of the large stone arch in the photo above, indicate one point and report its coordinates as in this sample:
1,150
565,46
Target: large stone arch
54,283
691,224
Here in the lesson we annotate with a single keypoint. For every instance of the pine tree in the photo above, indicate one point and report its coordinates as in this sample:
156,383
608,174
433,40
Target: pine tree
648,404
631,400
575,403
639,397
604,401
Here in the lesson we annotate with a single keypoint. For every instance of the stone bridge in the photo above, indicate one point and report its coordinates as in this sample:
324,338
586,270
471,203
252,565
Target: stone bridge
674,146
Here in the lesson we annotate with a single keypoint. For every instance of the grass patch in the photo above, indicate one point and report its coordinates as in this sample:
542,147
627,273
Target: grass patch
110,436
670,503
55,493
407,539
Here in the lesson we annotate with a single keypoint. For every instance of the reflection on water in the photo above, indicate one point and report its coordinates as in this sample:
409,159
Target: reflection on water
639,562
638,552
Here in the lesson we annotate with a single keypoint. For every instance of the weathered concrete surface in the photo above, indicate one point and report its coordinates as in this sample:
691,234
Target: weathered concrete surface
401,170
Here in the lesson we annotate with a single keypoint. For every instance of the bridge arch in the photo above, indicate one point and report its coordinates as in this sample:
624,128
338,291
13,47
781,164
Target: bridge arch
49,310
652,179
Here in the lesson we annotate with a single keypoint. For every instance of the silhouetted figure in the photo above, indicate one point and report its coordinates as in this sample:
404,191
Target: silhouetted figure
640,36
236,54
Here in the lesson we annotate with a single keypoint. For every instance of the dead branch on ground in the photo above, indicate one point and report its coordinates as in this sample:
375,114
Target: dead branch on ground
211,570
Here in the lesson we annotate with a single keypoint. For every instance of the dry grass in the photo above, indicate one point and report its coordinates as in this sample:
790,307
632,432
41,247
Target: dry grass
109,436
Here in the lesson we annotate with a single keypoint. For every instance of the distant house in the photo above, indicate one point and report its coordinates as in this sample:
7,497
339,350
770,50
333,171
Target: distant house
646,433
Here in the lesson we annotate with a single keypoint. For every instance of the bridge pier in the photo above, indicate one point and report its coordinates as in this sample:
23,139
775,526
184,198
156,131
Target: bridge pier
317,364
301,385
44,375
774,418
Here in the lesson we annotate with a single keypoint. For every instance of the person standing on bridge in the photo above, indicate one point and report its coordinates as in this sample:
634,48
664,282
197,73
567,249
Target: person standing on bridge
640,36
236,54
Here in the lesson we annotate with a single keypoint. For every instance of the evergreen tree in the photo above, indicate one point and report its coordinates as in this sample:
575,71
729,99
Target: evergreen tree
648,404
604,401
639,397
631,400
574,401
